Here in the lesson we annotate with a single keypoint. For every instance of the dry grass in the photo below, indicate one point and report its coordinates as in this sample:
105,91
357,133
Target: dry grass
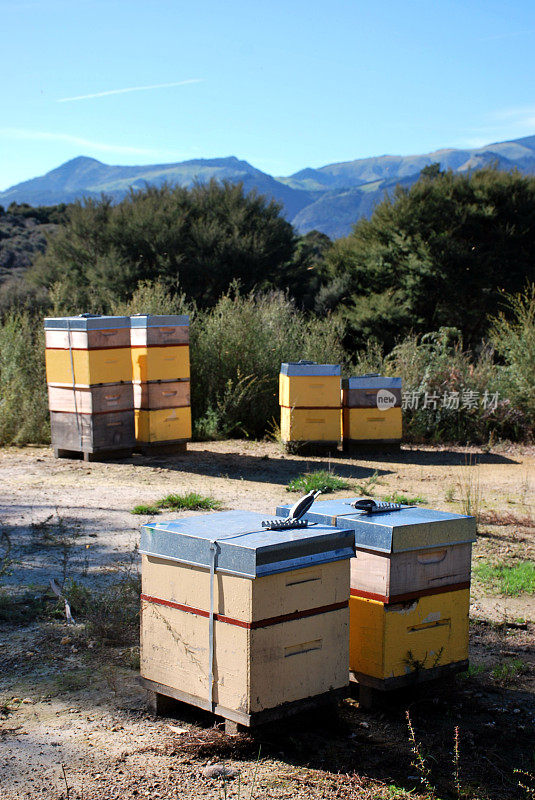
506,518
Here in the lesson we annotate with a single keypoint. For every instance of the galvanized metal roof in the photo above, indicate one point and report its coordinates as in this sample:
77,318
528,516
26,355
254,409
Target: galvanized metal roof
371,382
243,546
158,320
395,531
305,368
86,323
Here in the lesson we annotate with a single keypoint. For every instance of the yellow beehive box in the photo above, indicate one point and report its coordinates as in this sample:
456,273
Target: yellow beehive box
308,385
372,424
165,363
279,609
311,424
390,641
88,367
163,424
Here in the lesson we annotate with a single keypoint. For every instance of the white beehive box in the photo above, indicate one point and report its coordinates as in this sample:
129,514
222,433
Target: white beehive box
278,634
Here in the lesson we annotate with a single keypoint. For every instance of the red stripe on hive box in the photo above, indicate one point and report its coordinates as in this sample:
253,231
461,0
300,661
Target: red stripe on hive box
151,346
261,623
401,598
313,408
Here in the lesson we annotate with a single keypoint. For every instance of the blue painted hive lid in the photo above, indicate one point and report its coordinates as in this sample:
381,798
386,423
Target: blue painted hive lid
371,382
309,368
86,322
394,531
158,320
243,546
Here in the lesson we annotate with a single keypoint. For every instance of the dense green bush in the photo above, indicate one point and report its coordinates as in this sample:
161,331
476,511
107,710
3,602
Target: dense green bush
23,397
237,349
202,238
453,395
437,254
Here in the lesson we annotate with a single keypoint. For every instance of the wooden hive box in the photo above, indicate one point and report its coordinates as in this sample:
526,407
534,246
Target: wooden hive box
371,410
310,401
160,347
305,384
279,608
162,394
92,433
402,554
394,644
163,425
150,330
403,557
109,397
87,350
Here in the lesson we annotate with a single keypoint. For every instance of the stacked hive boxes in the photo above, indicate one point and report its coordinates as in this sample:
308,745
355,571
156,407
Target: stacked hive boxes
310,400
89,375
246,622
371,411
160,368
410,591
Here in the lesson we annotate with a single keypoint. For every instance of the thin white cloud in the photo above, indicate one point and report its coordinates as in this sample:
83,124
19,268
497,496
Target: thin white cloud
103,147
129,89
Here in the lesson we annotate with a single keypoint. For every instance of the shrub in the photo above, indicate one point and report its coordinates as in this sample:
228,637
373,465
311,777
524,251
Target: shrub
23,398
237,349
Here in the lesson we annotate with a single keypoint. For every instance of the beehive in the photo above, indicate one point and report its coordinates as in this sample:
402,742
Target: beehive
89,374
160,368
371,410
401,557
310,401
279,607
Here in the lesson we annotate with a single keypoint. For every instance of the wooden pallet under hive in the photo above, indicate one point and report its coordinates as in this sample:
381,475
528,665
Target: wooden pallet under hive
280,608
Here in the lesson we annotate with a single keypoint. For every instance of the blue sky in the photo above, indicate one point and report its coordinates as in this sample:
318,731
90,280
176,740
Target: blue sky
283,85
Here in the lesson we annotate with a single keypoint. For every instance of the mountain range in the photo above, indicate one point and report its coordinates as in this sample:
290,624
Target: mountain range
329,199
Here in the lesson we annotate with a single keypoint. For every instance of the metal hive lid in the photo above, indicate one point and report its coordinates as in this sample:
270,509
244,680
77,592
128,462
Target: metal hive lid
86,322
254,552
158,320
371,382
309,368
393,532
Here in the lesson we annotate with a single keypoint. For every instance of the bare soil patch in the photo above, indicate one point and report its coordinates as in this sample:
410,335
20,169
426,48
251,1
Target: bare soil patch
73,718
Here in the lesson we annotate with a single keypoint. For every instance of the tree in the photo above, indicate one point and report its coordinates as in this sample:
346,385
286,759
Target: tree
437,254
200,239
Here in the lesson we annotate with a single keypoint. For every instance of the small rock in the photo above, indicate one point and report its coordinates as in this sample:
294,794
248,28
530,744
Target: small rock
219,771
27,700
177,730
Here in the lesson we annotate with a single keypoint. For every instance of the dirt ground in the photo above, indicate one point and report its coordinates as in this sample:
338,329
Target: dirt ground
73,717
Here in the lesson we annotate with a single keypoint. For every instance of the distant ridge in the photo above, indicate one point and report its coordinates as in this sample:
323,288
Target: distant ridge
331,198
